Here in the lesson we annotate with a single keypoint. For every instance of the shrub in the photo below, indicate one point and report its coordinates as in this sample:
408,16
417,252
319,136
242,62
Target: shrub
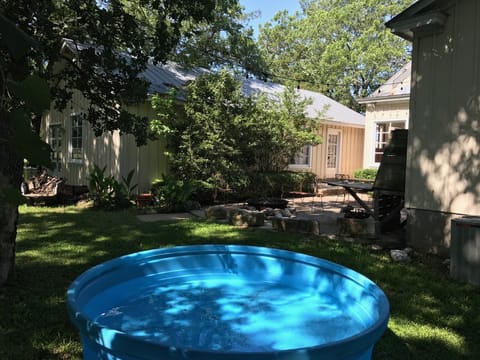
172,194
108,193
368,174
265,184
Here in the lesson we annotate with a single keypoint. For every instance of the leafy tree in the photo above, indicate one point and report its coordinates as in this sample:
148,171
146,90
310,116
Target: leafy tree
32,44
280,129
220,42
339,47
204,143
225,135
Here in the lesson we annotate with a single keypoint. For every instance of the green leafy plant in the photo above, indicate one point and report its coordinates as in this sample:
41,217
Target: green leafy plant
367,174
128,187
173,194
108,193
280,183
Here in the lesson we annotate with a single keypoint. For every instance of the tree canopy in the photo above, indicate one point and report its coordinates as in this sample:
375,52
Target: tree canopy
109,48
338,47
108,81
222,41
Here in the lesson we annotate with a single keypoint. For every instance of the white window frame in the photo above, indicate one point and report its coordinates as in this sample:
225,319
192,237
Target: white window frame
55,139
331,172
375,136
306,154
76,153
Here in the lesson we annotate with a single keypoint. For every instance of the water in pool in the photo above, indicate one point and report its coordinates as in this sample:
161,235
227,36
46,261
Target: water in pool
227,313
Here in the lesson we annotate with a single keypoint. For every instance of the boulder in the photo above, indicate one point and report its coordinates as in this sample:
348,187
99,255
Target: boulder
309,226
399,256
242,217
361,228
216,213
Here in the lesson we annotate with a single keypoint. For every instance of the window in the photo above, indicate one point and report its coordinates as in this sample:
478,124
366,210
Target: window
383,133
55,141
302,158
76,138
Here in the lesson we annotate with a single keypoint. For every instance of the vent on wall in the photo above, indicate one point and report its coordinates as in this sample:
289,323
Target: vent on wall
465,250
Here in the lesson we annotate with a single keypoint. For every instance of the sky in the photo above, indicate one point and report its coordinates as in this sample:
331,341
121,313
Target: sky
268,9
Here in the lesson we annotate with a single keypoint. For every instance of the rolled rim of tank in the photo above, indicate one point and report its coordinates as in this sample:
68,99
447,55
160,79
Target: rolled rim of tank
125,342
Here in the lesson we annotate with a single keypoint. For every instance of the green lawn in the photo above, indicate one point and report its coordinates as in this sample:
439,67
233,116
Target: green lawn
432,317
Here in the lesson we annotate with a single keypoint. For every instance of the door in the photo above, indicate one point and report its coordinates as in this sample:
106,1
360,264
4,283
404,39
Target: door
55,141
333,152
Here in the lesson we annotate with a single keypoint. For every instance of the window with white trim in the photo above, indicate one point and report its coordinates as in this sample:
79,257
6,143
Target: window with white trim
76,138
55,141
383,134
303,157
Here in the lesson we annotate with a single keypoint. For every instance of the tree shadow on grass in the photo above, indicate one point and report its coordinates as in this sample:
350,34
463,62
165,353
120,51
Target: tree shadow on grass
389,341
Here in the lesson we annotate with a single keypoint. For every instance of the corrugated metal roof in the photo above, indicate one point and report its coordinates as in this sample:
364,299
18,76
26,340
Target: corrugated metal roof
163,77
334,110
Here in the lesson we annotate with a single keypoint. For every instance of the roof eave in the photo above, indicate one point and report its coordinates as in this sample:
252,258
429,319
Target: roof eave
345,124
421,23
384,98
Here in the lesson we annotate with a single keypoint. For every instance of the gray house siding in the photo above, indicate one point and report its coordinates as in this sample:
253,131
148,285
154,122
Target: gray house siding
443,160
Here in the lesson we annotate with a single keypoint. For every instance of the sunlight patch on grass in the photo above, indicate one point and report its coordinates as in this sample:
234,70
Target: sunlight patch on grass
220,231
415,332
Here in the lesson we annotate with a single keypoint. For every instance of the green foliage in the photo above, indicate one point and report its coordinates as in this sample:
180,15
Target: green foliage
339,47
172,194
127,185
23,96
34,56
226,136
91,61
221,41
264,184
367,174
278,130
108,193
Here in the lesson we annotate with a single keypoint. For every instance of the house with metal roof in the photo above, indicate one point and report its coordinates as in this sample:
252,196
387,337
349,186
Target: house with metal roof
76,149
387,109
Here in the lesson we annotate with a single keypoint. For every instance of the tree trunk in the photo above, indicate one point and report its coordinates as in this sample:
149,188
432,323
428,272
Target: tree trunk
8,233
11,166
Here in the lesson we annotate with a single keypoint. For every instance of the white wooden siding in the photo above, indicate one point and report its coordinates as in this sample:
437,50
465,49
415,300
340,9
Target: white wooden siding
396,110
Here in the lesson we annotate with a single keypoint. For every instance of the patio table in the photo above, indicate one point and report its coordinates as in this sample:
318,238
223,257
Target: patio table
353,188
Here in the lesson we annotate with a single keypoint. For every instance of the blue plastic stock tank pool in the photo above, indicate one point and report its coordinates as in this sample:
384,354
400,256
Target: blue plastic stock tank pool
226,302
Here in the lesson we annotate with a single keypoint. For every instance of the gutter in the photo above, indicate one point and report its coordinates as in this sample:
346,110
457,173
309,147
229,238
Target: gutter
385,98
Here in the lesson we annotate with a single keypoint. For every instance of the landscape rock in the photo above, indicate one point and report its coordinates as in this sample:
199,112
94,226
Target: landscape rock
400,256
300,225
216,213
408,250
242,217
376,248
363,228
